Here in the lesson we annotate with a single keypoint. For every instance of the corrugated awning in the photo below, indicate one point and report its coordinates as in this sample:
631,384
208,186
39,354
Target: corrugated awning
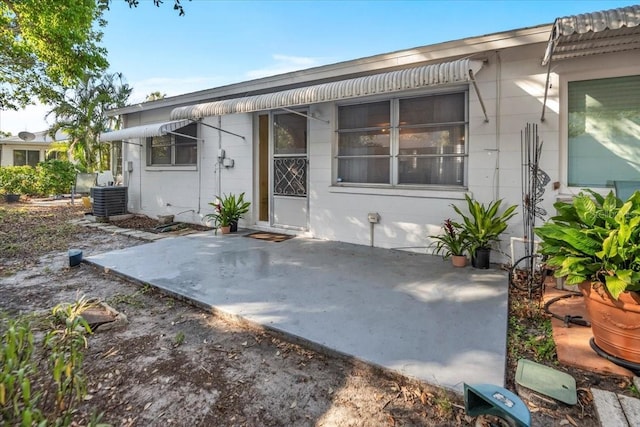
144,131
606,31
460,71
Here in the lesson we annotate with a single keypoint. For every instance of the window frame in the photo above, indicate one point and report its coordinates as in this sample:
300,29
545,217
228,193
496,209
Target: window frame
26,157
394,133
173,145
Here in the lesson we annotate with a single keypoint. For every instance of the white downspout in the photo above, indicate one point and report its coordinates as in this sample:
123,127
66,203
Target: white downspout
498,94
219,161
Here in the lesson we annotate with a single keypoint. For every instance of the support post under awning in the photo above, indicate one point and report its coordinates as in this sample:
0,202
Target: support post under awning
475,86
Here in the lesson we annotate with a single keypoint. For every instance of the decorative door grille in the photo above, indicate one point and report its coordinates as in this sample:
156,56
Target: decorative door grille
290,176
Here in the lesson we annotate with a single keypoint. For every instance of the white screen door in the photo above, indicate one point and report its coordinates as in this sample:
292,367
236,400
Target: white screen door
289,171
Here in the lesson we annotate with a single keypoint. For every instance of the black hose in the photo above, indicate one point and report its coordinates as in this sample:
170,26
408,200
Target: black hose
567,319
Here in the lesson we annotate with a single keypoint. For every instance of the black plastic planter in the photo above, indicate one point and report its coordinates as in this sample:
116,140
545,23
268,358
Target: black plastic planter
481,258
12,198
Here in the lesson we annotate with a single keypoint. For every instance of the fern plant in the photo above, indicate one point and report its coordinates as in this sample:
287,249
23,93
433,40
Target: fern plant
596,239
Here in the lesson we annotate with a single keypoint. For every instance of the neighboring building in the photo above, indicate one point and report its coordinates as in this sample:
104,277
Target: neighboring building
28,148
404,134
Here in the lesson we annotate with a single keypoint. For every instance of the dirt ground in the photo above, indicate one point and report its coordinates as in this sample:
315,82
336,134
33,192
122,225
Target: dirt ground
175,364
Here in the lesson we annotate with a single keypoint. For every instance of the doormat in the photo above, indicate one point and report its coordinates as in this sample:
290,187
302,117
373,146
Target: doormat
270,237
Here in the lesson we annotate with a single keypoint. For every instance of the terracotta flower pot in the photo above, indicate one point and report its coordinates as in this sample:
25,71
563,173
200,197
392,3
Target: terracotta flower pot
226,229
615,324
458,260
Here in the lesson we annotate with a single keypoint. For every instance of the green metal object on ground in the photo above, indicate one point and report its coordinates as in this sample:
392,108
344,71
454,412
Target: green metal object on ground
481,399
547,381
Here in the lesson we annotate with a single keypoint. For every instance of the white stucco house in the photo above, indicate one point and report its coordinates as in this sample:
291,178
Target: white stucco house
403,135
28,148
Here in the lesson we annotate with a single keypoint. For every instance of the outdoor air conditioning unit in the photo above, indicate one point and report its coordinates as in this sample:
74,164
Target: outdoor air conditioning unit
109,201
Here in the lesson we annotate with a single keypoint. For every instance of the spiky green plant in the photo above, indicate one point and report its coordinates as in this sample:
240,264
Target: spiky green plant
483,224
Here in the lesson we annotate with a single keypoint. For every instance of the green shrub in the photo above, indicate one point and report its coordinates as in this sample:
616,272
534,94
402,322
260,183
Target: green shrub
55,176
18,180
50,177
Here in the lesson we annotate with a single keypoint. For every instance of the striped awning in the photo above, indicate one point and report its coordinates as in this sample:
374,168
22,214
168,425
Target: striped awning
606,31
459,71
144,131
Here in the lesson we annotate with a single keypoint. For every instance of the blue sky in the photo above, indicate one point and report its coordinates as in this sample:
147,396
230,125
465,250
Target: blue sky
223,42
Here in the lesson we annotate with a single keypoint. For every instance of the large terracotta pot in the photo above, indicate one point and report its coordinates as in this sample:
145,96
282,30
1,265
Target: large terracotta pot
615,324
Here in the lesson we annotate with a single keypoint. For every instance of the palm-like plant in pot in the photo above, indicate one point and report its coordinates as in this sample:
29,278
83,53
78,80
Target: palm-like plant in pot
483,225
594,241
228,209
452,243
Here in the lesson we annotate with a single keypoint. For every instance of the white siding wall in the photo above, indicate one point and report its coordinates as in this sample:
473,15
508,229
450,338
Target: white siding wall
187,191
6,156
512,87
494,164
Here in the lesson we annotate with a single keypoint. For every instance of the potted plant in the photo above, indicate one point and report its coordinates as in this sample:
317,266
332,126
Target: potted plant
227,211
483,226
594,242
452,243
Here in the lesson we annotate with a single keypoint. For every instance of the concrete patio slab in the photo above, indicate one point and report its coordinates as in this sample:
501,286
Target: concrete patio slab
411,313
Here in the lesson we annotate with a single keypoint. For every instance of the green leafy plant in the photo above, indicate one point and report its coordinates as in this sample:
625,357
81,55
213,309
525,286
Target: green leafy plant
596,239
55,176
483,225
41,385
179,339
18,180
227,209
452,242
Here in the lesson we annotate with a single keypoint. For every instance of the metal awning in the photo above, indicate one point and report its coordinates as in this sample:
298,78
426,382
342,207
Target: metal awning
144,131
606,31
460,71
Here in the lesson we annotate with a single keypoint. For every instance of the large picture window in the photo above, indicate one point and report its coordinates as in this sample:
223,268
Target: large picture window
26,158
175,149
410,141
604,131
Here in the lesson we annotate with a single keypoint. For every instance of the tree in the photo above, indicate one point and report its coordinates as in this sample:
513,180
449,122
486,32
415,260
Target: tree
81,113
154,96
176,5
45,44
49,44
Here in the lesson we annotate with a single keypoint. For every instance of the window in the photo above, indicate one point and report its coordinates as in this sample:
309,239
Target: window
26,157
410,141
604,131
178,148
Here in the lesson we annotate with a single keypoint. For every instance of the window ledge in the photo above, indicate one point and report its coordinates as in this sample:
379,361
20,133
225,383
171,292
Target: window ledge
170,168
427,193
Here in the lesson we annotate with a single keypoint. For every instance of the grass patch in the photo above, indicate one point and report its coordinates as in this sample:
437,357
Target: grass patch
530,332
133,299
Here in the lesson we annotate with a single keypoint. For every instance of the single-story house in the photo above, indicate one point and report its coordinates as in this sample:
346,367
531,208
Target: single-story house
28,148
403,135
